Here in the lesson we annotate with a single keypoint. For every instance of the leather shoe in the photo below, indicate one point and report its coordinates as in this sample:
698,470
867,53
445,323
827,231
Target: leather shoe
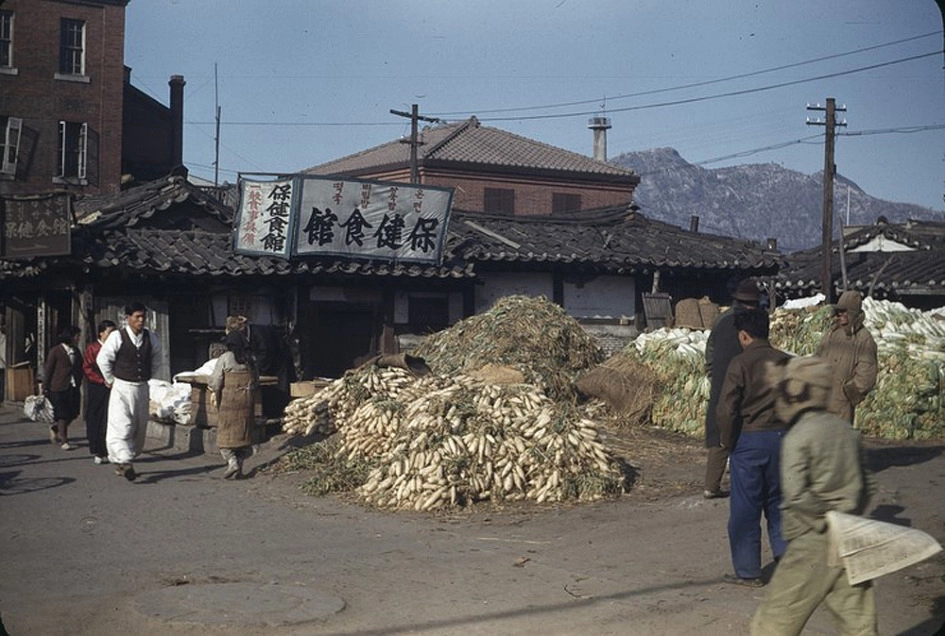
737,580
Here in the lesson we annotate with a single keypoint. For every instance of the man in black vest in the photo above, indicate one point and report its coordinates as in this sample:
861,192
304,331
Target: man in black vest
128,359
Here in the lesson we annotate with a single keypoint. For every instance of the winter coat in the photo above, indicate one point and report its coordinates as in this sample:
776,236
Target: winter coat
747,399
852,352
720,348
822,469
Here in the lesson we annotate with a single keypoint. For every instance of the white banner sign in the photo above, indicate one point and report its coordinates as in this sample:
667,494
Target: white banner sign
264,216
392,221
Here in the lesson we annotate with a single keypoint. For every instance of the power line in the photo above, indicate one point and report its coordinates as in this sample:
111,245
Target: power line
699,84
679,102
705,98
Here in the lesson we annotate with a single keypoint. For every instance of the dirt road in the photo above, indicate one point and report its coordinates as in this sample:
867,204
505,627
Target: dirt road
181,551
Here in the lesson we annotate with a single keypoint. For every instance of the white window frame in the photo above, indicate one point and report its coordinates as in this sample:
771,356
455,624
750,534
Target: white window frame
64,148
6,37
11,145
71,49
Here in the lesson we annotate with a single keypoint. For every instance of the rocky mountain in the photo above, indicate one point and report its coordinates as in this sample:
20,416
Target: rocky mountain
753,201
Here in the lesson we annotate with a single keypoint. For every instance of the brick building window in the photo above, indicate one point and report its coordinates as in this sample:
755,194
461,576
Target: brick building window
10,128
6,39
499,200
71,47
73,146
563,202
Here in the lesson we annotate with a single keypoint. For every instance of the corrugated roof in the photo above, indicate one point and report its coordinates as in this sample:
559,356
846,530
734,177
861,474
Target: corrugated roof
469,142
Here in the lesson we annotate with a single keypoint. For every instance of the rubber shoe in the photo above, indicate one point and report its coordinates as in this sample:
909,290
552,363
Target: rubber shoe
53,436
66,446
99,460
232,470
737,580
714,494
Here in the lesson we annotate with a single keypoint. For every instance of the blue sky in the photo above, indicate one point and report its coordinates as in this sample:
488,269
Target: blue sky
301,82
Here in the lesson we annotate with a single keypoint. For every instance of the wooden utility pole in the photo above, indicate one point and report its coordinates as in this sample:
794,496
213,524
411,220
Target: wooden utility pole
414,142
830,169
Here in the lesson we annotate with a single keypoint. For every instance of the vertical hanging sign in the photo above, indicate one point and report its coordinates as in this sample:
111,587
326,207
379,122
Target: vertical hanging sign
263,218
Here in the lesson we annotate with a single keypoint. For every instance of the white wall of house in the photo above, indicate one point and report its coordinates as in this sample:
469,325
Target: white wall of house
601,297
882,244
494,286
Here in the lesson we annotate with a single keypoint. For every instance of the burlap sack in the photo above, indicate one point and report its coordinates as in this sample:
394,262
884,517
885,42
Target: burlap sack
498,374
627,386
688,315
709,312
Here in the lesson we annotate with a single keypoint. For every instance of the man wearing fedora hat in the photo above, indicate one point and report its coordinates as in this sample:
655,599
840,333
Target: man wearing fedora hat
722,346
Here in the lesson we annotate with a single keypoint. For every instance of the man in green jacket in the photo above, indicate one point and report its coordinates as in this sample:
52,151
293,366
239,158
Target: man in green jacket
850,348
821,470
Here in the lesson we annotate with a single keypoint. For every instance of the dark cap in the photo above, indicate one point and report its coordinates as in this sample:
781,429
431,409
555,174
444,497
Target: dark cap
747,291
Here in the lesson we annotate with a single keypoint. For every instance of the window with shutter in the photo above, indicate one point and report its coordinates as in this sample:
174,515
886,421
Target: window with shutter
73,148
499,200
12,127
6,39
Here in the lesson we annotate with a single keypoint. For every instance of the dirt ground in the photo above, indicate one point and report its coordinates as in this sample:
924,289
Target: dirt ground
82,550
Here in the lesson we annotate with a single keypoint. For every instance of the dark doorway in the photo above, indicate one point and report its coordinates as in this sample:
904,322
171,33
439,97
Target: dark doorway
340,334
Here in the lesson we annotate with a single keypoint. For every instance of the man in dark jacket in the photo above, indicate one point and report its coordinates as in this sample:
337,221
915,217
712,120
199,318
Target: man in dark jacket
749,428
721,347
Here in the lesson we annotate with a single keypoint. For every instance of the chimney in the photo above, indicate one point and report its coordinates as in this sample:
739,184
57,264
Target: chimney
177,119
599,125
772,245
694,223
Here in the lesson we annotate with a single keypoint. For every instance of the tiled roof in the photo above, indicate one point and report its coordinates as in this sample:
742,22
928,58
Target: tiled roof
469,142
915,234
197,253
618,239
130,207
920,271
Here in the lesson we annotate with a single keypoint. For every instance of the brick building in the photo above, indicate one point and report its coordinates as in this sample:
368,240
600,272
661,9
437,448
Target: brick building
494,171
66,104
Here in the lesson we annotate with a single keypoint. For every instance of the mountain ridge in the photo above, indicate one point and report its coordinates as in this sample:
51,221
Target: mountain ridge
754,201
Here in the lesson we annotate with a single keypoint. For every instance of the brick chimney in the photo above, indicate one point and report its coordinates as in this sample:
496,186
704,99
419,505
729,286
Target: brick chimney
177,119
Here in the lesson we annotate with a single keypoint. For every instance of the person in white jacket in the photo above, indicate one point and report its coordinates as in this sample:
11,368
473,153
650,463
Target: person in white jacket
129,358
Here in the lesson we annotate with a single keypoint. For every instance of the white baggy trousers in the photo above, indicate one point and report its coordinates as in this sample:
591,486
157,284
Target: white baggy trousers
127,420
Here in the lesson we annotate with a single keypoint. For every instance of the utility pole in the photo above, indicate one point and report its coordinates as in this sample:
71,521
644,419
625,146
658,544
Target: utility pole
830,169
414,142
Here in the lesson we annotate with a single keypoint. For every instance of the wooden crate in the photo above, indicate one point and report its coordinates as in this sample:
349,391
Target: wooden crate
20,383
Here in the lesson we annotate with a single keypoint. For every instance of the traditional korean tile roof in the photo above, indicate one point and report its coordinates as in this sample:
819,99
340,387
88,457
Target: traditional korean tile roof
199,253
890,274
132,207
618,240
469,142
